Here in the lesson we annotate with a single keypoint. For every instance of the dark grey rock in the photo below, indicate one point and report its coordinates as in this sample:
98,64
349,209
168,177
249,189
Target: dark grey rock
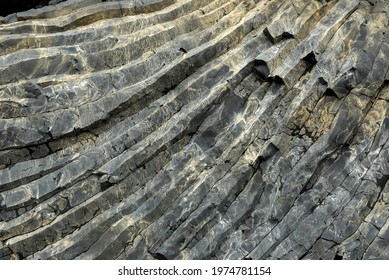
195,129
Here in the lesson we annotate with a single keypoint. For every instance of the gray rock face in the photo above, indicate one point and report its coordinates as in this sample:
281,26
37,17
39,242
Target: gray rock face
195,129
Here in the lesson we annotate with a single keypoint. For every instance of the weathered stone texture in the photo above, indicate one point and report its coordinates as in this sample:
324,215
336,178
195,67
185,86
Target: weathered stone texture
195,129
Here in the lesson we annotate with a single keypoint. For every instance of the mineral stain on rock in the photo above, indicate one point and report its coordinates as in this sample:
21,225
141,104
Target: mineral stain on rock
194,129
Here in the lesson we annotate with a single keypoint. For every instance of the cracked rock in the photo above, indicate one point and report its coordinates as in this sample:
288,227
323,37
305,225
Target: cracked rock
194,129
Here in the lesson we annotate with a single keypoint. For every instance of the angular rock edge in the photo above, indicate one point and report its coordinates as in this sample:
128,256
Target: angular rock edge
195,129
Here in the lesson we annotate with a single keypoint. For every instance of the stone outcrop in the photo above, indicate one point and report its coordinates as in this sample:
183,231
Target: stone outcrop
195,129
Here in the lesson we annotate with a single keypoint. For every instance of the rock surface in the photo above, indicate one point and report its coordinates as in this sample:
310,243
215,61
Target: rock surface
195,129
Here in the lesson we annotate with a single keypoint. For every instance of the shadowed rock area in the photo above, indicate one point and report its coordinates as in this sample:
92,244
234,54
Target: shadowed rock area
195,129
8,7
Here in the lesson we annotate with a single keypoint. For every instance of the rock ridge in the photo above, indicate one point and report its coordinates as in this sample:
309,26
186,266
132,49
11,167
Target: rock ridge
195,129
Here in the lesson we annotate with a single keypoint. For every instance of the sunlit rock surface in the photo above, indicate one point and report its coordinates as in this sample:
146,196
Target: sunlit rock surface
195,129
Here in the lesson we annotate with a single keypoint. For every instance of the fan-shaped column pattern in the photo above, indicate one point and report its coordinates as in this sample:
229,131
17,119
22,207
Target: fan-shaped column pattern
195,129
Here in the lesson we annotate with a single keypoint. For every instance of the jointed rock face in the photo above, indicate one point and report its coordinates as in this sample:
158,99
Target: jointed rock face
195,129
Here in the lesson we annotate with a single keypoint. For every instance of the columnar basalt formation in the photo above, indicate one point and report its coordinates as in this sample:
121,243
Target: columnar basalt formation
195,129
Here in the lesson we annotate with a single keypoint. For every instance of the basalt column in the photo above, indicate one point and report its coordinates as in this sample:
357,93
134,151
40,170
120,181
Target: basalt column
195,129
